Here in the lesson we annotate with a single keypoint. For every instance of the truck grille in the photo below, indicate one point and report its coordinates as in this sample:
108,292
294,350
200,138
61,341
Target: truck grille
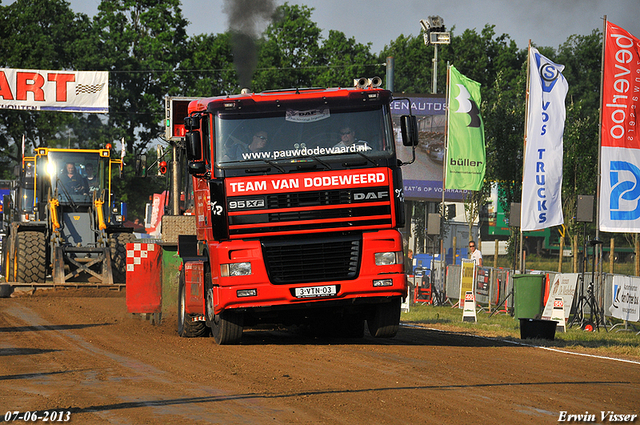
320,260
324,210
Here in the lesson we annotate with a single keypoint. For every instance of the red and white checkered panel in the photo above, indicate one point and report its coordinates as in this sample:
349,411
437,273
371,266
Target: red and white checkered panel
144,278
138,252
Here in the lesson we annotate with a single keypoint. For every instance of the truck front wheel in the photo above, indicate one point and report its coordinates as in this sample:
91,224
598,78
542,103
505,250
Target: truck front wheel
226,327
385,320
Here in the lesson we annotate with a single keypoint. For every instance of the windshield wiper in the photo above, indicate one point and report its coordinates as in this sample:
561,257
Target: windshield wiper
268,161
318,160
375,164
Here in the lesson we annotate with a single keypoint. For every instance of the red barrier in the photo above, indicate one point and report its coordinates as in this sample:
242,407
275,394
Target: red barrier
144,278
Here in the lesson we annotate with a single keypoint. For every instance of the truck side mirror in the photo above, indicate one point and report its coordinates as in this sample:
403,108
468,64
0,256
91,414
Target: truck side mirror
197,168
409,129
194,146
192,123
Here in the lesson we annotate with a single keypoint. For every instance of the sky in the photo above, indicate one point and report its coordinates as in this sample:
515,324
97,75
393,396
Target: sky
545,22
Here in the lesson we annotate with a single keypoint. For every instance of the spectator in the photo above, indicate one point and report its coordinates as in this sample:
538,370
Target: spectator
476,255
408,262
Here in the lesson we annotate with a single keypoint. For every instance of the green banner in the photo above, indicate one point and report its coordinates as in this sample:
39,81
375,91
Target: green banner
466,159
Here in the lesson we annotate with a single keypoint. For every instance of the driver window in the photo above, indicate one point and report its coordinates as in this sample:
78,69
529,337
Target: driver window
206,139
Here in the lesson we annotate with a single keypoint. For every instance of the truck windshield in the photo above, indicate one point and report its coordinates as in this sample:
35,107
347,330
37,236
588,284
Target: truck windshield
75,176
295,133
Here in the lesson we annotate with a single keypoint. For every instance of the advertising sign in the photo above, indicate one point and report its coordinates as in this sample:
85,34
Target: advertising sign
620,141
423,178
564,286
62,91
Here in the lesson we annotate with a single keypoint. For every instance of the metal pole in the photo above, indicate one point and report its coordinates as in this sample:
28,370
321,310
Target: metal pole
175,182
434,87
390,63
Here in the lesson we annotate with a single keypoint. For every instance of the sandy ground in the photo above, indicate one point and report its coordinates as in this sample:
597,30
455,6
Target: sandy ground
68,352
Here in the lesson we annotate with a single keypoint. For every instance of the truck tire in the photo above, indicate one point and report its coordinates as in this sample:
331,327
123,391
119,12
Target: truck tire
118,250
31,257
385,320
186,327
226,327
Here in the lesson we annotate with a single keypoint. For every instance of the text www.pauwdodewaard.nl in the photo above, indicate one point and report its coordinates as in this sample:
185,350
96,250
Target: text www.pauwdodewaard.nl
292,153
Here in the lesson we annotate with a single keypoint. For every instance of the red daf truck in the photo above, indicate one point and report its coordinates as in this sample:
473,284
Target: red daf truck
298,201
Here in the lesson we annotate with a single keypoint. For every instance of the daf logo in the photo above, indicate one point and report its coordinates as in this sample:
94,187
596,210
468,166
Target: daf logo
370,196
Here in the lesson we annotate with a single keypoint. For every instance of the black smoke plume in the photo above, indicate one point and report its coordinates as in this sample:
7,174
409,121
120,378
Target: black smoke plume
246,19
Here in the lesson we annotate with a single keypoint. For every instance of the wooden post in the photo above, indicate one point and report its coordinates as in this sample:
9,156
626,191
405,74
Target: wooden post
637,257
560,255
455,243
612,254
495,257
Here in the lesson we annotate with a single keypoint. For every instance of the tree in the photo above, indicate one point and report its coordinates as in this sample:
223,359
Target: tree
207,67
141,44
289,53
38,34
343,59
412,72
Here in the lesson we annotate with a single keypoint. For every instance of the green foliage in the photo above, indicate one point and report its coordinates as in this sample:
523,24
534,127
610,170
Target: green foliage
207,67
37,34
289,50
141,43
144,46
344,59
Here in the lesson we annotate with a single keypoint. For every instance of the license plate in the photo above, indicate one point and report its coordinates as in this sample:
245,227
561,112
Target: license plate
316,291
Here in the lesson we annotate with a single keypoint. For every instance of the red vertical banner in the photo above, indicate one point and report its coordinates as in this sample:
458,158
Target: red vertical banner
620,141
157,211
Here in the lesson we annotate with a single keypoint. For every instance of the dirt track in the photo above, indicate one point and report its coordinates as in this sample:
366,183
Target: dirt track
89,357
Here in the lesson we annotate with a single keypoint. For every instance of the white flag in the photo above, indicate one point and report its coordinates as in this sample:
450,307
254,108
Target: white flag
542,175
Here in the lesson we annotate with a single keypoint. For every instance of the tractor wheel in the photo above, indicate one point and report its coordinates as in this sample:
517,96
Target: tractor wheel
186,327
31,257
118,250
385,320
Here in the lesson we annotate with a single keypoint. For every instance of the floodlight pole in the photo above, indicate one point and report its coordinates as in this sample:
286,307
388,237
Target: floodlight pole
434,86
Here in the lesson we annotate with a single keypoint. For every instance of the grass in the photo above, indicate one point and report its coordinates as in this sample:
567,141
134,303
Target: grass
503,326
536,262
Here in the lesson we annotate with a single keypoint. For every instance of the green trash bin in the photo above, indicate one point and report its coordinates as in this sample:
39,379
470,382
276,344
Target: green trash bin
527,292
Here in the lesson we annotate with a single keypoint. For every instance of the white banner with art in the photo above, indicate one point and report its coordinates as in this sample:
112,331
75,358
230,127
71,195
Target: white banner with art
62,91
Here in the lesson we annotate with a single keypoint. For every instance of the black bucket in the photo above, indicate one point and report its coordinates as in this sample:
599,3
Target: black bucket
536,328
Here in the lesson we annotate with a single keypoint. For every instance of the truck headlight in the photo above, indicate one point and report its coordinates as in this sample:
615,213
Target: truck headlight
388,258
235,269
